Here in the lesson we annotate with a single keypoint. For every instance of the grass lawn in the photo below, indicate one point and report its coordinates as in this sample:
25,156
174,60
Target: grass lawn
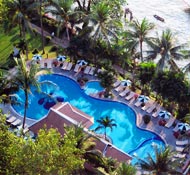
8,40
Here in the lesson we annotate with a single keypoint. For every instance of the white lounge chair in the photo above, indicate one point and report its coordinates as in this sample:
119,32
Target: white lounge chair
65,64
49,64
179,155
179,148
146,106
92,70
125,92
130,96
186,166
117,83
42,64
170,122
176,129
87,70
151,108
77,67
69,66
99,70
182,142
11,119
138,103
119,88
16,122
155,114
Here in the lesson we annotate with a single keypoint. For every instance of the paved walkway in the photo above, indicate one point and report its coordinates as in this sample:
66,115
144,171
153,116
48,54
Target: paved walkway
57,41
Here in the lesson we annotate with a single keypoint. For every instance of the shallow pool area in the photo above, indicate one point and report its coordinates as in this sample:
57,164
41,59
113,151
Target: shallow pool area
126,136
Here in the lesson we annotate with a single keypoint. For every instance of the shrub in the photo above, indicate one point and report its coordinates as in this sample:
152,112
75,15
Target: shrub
35,51
47,39
53,49
146,119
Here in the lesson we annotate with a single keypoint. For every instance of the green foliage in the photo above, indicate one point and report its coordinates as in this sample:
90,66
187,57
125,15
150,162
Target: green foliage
106,79
171,85
187,118
105,123
139,34
146,119
164,46
162,163
54,48
147,71
125,169
48,154
25,78
35,51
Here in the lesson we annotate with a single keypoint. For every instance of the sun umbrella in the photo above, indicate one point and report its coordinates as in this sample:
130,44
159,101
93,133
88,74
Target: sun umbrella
143,98
37,57
183,127
61,58
164,114
82,62
126,82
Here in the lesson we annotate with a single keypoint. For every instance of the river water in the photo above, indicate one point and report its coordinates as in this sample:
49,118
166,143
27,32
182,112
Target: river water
173,13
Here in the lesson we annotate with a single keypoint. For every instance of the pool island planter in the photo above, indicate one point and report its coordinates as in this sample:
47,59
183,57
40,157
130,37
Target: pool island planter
146,119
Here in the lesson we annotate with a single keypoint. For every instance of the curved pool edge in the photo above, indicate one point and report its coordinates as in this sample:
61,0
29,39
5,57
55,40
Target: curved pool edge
137,114
13,112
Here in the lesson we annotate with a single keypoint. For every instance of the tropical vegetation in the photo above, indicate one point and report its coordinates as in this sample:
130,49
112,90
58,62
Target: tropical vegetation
92,30
162,162
105,123
25,78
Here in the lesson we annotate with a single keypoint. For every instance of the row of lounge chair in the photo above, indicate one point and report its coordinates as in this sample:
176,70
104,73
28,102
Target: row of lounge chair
89,70
68,66
180,146
13,121
151,107
16,123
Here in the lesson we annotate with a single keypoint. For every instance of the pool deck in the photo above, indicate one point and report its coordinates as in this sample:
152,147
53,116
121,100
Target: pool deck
165,133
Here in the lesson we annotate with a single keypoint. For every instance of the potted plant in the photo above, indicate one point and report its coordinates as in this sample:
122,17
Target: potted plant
146,119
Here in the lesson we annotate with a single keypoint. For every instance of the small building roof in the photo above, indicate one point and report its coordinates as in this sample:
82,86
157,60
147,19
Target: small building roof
60,114
65,113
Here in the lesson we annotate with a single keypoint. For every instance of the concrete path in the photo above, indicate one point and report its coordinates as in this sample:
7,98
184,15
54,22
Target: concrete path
57,41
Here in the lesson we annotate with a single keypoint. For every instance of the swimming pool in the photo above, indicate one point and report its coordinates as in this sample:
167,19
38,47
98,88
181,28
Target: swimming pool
126,136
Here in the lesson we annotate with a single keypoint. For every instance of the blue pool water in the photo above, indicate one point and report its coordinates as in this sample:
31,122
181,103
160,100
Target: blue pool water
126,136
93,87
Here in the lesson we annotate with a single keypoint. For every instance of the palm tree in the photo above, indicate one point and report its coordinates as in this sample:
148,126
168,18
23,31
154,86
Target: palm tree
105,123
25,77
17,13
39,5
160,164
139,33
125,169
64,15
104,27
186,68
164,46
